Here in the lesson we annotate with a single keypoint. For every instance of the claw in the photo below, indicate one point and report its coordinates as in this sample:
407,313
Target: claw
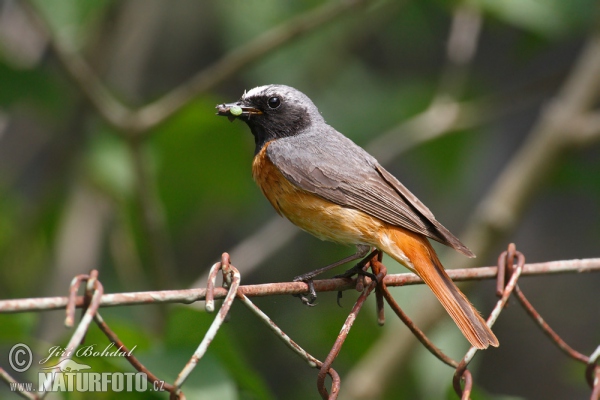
312,293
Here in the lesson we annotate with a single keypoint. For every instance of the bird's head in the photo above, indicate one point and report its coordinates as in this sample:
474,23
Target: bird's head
273,112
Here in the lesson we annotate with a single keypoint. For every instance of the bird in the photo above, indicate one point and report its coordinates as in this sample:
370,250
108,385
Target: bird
332,188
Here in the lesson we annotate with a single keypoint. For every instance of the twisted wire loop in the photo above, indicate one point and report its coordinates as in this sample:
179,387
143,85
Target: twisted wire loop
231,279
89,304
93,293
506,268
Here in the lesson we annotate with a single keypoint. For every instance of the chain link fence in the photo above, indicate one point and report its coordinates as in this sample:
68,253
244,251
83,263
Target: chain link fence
511,266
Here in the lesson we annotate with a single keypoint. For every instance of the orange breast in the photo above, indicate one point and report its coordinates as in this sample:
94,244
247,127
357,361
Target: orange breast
320,217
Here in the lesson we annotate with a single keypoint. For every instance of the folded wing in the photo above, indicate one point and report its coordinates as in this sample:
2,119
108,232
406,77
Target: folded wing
336,169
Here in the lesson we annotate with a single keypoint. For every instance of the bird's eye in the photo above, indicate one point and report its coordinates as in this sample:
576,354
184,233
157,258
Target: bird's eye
274,102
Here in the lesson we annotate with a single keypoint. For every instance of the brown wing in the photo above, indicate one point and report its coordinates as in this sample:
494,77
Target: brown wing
333,167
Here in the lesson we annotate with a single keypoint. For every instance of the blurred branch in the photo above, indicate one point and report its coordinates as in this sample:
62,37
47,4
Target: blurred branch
445,112
233,62
187,296
587,128
259,246
465,30
138,122
4,119
551,136
443,116
152,218
112,110
501,208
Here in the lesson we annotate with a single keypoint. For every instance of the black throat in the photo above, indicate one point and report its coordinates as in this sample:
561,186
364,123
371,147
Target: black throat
261,136
266,128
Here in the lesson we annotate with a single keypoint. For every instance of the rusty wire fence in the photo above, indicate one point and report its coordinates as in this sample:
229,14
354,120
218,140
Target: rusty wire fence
511,266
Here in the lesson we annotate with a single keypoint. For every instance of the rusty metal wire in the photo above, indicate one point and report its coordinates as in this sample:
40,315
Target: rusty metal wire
505,263
187,296
231,277
94,298
380,272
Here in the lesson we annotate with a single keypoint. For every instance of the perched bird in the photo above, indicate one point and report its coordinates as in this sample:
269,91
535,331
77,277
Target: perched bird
330,187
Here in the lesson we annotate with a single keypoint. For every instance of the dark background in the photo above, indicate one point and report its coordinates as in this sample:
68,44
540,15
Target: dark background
152,205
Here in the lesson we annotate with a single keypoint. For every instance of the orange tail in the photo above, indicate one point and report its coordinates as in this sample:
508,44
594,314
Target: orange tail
426,264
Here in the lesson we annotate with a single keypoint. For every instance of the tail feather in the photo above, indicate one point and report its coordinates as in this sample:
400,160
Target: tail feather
466,317
425,263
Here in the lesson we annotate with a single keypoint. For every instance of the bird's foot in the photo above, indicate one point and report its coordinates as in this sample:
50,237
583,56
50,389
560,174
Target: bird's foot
310,297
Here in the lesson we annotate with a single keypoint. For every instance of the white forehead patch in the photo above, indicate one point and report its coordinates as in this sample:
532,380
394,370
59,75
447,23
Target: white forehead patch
257,91
287,93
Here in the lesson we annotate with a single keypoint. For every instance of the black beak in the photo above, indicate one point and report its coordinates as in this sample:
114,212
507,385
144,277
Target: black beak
236,110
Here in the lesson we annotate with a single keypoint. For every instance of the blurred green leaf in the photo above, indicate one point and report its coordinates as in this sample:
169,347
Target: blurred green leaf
443,159
186,329
30,86
580,173
71,19
209,380
574,373
128,332
109,165
545,17
203,163
20,270
15,327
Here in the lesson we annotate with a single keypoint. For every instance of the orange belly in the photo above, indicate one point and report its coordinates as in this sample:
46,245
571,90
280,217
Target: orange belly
320,217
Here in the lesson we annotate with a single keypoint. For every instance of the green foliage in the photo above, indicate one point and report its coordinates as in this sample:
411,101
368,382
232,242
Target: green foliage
72,20
18,231
443,160
16,326
547,17
579,173
226,360
203,163
109,165
28,86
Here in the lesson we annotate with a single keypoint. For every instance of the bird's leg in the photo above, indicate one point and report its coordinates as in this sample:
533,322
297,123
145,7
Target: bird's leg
361,251
358,269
